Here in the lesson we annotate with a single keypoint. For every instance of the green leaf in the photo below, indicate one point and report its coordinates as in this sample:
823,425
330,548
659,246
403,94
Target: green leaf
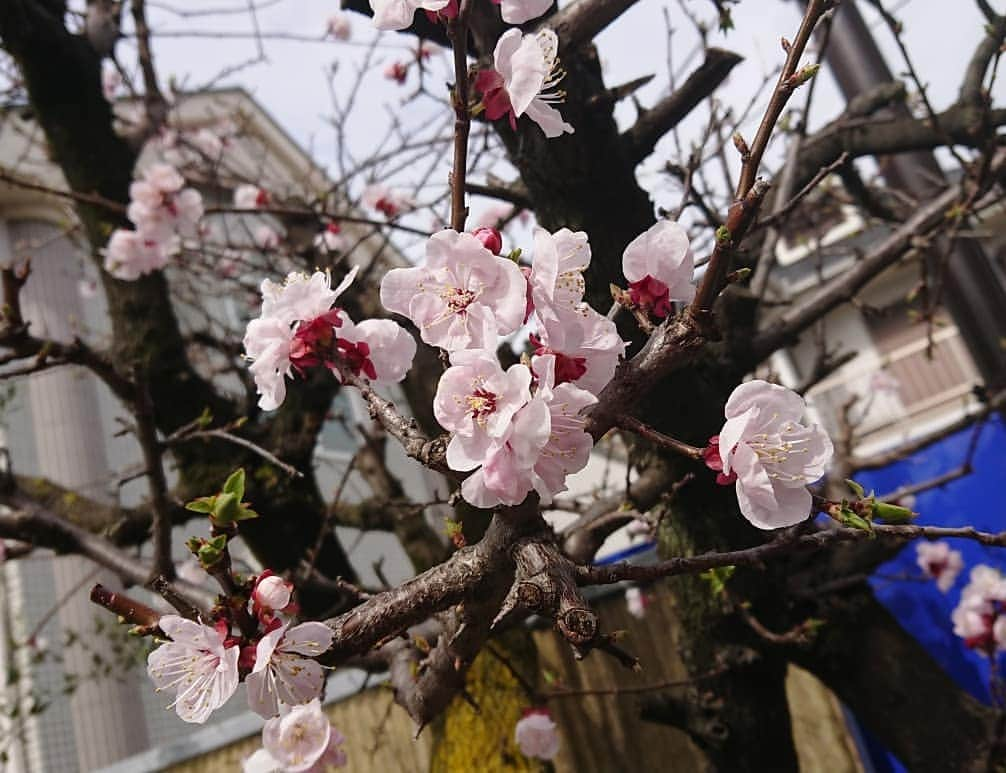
235,484
717,578
226,509
854,521
201,505
205,418
856,488
893,513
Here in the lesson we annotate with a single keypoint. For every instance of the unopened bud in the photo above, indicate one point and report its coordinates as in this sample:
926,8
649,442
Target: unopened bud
742,147
786,45
803,75
889,513
272,593
490,239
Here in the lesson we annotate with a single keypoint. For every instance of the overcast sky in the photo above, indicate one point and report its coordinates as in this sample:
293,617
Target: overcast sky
292,82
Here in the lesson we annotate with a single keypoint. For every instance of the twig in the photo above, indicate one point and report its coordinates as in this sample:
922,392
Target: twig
659,438
457,31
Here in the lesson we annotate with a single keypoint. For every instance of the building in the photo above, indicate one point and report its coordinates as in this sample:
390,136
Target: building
83,696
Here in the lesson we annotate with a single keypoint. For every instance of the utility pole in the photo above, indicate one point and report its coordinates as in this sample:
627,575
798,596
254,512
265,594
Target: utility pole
973,288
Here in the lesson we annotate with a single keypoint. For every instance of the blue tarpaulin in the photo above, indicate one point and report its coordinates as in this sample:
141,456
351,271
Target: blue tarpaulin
974,500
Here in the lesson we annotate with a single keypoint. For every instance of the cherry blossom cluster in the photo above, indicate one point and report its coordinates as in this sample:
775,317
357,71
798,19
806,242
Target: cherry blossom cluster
299,329
766,451
163,212
203,664
519,429
300,739
979,618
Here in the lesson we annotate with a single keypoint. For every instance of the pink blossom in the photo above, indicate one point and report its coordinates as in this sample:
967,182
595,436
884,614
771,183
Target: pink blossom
390,347
266,237
330,239
544,444
271,594
338,26
569,446
520,11
461,296
586,346
659,266
477,401
250,197
299,738
284,670
160,208
523,81
773,454
397,14
128,255
198,664
209,143
556,280
388,202
333,757
941,563
537,735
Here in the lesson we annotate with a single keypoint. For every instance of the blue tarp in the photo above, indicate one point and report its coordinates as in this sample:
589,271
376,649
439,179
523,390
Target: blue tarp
977,499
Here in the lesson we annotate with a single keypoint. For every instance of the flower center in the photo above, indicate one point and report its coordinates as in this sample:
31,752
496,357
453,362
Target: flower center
481,404
777,451
458,299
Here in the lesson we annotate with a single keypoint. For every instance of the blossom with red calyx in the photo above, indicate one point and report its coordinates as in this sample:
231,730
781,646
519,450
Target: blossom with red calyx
713,460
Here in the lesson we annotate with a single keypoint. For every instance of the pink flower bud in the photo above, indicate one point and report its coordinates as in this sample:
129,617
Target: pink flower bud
490,239
271,594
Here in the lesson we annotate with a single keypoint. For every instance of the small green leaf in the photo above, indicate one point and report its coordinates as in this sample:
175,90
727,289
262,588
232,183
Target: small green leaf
235,484
856,488
717,578
205,418
201,505
889,513
854,521
226,509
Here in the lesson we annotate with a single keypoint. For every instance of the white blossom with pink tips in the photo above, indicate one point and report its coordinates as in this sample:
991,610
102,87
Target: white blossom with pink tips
128,255
773,454
542,446
247,196
397,14
476,401
197,665
941,563
269,339
284,670
659,265
537,735
586,346
387,201
298,329
556,279
161,208
978,617
333,757
524,81
461,297
297,740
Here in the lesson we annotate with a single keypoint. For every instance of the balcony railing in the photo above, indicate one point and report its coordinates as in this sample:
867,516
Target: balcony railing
925,380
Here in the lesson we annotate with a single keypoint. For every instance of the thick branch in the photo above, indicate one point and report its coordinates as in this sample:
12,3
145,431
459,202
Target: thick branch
654,123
